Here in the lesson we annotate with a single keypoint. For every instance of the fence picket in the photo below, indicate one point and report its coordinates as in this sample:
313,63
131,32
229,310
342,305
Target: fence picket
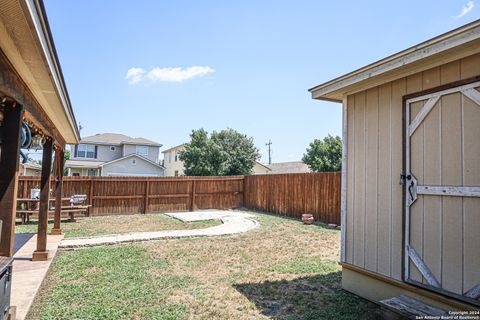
284,194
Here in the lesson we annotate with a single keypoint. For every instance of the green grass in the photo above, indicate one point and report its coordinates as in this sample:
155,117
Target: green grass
112,283
306,265
102,225
282,270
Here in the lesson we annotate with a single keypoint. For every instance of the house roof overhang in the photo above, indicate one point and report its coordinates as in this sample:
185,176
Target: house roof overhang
83,164
132,155
173,148
262,165
450,46
26,42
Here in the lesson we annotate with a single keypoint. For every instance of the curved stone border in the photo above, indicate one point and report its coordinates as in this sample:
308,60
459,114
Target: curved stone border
232,223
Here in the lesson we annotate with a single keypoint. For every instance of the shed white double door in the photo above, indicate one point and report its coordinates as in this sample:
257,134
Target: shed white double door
442,192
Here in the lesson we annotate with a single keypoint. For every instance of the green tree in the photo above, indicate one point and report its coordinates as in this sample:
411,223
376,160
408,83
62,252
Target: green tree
324,155
224,153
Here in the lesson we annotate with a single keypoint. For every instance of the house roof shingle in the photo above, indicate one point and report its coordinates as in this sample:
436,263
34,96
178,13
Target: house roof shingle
118,139
289,167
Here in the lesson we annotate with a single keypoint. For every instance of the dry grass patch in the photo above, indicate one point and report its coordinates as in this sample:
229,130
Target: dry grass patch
282,270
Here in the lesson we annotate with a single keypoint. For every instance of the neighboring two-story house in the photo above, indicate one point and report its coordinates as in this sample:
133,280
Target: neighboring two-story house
171,161
112,154
174,166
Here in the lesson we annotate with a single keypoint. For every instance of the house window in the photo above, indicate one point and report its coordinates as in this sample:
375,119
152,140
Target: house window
92,172
86,151
142,150
176,156
176,173
76,174
134,162
112,148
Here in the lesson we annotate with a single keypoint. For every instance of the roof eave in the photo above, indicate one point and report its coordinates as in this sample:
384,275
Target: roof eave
152,144
172,148
40,21
129,156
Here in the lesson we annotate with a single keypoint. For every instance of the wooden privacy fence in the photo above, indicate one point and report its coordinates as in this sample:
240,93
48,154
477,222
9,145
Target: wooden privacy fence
295,194
122,195
286,194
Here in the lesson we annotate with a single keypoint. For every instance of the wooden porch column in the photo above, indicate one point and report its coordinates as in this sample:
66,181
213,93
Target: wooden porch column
10,149
41,254
59,162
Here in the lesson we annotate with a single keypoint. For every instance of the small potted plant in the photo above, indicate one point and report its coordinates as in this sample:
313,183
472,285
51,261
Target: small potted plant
308,218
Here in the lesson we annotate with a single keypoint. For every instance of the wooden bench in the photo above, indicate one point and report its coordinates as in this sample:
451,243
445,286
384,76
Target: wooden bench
76,206
71,210
411,308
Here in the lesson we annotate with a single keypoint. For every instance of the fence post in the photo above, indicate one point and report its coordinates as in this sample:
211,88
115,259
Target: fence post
147,193
90,196
25,189
192,197
243,192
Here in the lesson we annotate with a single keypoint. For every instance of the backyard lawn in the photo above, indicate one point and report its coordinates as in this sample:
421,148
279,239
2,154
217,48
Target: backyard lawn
282,270
102,225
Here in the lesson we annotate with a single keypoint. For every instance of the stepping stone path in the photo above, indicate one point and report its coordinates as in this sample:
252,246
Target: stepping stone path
233,222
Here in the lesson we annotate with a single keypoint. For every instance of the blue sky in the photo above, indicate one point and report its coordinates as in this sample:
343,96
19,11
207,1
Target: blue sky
246,65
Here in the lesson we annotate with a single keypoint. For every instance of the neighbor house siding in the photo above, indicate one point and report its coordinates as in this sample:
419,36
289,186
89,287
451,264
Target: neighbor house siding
126,168
153,152
84,171
103,153
259,169
374,194
171,165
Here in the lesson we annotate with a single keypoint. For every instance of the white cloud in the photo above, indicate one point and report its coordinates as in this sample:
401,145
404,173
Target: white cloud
168,74
178,74
134,75
466,9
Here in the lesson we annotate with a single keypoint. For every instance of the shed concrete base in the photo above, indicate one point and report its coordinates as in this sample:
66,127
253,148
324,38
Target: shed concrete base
376,287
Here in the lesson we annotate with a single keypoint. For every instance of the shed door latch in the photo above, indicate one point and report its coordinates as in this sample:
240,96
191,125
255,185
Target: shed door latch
411,183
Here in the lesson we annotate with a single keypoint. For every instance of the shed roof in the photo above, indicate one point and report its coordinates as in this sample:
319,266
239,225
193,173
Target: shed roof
450,46
117,139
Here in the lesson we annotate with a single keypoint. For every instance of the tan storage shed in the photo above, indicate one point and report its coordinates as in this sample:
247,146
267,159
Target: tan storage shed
411,172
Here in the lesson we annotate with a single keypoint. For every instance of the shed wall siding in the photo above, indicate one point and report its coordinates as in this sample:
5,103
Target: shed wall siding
374,164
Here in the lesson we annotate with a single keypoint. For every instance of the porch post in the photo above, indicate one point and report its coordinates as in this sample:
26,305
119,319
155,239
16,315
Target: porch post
41,254
10,148
59,160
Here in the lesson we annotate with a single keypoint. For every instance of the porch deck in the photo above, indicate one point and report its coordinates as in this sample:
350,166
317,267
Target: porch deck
28,275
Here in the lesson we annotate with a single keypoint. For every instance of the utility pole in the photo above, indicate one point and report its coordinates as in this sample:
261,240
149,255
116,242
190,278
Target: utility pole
269,144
